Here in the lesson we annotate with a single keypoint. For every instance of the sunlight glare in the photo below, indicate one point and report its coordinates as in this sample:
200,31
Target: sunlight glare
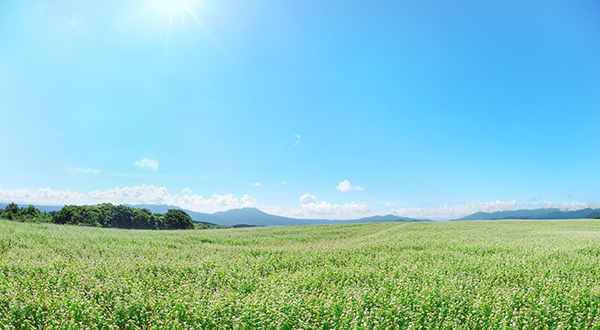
172,7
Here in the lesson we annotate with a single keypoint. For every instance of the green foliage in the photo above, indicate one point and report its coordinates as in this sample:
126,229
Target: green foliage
177,219
29,214
198,225
105,215
464,275
120,216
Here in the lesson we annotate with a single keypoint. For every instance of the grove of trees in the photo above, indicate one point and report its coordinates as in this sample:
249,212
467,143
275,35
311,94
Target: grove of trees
120,216
24,214
103,215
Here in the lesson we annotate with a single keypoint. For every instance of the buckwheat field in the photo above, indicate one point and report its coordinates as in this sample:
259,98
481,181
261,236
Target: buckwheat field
495,274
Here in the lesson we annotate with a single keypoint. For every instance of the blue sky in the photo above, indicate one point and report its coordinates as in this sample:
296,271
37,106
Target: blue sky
328,109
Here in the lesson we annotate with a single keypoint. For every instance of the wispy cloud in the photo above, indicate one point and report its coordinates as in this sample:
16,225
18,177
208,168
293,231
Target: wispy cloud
186,190
390,204
298,137
73,23
345,186
257,184
147,163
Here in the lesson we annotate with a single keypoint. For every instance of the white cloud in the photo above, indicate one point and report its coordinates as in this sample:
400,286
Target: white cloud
83,171
313,209
248,201
345,186
458,211
143,194
310,208
147,163
257,184
187,190
337,211
307,199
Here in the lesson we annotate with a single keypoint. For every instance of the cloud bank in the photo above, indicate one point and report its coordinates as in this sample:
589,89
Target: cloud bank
143,194
309,208
458,211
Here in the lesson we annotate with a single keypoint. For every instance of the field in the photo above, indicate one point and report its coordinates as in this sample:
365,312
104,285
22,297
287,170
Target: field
495,274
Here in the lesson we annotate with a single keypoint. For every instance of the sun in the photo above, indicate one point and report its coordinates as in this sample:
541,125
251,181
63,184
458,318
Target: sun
173,8
178,15
176,9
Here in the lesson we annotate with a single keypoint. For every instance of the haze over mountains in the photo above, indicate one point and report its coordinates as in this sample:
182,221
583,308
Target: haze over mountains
256,217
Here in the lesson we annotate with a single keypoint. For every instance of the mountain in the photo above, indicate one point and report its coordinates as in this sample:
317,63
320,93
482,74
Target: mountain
249,217
579,214
384,218
514,214
534,214
594,215
256,217
245,217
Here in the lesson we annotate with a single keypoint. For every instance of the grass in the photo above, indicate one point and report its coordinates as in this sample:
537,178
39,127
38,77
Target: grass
495,274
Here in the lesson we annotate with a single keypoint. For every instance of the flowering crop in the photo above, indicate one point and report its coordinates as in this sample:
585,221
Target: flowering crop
495,274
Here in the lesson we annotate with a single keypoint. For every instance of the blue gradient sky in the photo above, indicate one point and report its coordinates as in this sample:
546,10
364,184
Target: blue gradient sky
430,108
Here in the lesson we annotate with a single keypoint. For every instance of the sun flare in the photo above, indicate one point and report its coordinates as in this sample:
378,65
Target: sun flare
182,9
178,12
174,7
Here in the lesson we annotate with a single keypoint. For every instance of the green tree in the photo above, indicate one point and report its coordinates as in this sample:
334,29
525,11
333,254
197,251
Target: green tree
12,209
144,219
178,219
13,212
120,216
32,211
68,215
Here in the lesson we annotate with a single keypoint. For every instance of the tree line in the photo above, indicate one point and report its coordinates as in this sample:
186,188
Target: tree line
103,215
24,214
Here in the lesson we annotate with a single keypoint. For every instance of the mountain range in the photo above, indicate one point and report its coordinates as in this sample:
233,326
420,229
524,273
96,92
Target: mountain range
551,213
254,217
